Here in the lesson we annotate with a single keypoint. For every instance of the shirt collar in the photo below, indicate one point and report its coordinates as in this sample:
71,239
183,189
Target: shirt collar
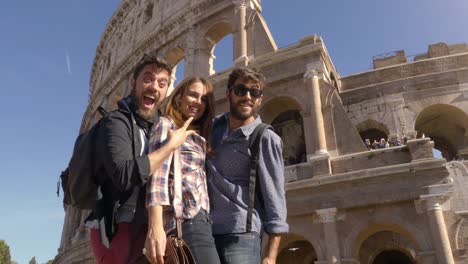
247,129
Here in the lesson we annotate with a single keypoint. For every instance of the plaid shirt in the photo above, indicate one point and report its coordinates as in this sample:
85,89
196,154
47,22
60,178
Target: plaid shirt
194,188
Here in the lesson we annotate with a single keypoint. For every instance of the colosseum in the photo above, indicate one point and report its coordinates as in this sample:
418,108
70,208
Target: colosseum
390,200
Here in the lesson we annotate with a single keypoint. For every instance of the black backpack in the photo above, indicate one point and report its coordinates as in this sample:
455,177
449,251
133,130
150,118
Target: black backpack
80,179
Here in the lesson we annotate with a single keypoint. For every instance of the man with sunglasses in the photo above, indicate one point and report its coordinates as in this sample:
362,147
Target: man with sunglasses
123,162
229,173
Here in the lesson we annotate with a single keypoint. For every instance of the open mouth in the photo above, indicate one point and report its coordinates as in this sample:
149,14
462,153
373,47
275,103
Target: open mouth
149,101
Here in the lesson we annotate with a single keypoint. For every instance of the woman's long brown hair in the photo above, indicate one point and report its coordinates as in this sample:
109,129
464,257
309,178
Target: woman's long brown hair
204,123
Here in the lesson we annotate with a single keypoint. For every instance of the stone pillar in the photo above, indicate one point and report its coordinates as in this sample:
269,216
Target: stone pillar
437,227
309,143
198,58
318,129
173,80
242,59
328,219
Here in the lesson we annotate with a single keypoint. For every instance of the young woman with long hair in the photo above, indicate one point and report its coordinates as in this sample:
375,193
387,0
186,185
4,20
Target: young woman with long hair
192,98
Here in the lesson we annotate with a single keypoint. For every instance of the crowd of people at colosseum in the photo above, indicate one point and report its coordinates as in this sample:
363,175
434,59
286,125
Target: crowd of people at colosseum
399,141
386,143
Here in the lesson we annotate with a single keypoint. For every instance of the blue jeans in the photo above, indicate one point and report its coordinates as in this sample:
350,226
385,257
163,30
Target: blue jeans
197,233
243,248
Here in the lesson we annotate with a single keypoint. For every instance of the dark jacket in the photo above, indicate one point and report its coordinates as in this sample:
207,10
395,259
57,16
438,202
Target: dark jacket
120,165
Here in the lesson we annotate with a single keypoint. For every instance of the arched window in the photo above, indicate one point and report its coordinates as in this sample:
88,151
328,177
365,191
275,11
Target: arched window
219,41
176,57
388,247
446,125
392,257
289,126
222,54
372,132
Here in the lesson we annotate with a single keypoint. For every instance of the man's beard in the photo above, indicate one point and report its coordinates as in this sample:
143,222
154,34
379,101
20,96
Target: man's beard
237,114
138,102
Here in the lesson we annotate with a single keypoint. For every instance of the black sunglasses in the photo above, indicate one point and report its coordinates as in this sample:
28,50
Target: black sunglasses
241,90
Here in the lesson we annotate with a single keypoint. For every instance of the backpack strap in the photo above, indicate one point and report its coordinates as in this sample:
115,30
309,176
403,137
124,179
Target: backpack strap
254,145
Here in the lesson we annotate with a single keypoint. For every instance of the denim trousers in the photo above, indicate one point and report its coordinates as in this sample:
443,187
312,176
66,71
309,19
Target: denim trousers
242,248
197,234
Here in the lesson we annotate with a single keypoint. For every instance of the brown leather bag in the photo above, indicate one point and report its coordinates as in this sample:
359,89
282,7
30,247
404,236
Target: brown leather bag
177,250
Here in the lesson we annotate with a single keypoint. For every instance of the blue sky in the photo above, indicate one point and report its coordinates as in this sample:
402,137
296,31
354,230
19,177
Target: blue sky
46,52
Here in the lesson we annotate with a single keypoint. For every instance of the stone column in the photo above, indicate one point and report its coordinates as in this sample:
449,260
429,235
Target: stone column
197,55
318,128
328,219
173,80
309,143
437,227
242,59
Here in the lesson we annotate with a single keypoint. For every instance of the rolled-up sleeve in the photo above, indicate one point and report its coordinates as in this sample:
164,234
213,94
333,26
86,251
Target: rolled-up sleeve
271,177
157,190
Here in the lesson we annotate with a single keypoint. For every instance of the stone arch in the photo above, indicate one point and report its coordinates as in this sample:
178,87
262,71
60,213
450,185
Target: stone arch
393,256
274,106
373,130
218,31
298,249
259,40
173,57
213,36
284,114
446,125
387,244
388,221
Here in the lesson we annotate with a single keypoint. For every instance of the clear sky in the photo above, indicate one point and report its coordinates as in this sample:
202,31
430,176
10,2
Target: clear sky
46,52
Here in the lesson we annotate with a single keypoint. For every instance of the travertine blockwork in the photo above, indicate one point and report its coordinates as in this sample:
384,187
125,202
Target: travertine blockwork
346,204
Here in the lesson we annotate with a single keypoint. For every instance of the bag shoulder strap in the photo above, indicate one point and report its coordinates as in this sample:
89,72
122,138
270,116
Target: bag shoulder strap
254,145
178,203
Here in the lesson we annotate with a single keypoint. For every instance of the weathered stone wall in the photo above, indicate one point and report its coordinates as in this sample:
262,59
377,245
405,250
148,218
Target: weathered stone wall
345,204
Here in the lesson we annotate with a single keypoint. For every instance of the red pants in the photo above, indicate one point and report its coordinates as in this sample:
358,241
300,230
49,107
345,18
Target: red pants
123,248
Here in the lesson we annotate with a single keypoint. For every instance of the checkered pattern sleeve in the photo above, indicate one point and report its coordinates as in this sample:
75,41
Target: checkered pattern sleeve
157,191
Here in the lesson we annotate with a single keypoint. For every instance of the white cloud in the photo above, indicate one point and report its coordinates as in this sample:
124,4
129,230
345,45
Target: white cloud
67,58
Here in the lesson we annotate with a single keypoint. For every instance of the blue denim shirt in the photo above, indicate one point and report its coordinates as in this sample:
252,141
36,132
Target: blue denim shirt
228,180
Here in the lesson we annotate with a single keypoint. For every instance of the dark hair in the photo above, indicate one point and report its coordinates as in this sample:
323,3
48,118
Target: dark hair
158,63
206,120
248,74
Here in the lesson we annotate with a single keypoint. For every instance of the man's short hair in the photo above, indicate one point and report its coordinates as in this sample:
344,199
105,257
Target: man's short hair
158,63
248,74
